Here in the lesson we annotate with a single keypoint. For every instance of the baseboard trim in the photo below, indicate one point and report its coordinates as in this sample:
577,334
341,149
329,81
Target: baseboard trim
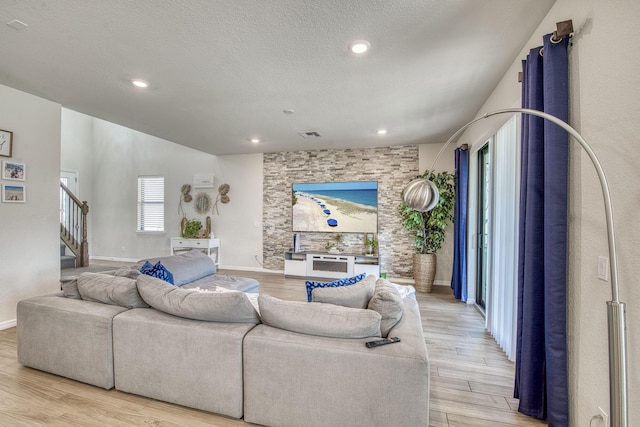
245,268
407,281
402,280
8,324
110,258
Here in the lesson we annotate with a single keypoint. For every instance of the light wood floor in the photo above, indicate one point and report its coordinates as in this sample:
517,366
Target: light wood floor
471,382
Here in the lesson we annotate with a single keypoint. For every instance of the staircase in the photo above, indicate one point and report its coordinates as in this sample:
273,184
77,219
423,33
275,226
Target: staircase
73,229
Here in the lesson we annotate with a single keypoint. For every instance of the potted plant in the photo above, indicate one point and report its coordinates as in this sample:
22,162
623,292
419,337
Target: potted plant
191,229
371,245
429,228
335,246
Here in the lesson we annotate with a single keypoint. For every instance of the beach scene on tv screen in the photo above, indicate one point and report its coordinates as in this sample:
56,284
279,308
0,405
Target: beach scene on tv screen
341,207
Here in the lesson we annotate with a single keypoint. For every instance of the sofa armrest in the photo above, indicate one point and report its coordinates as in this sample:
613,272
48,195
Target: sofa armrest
67,337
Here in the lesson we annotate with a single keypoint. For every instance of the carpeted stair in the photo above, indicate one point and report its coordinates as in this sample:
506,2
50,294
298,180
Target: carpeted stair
66,261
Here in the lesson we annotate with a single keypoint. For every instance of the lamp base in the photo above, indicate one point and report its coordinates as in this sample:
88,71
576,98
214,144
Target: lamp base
617,364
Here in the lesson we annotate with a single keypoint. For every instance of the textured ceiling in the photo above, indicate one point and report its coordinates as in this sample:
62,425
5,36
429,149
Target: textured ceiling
222,72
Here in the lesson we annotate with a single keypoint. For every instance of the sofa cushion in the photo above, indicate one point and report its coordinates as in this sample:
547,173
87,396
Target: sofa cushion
387,301
318,319
355,296
310,285
131,273
108,289
187,266
70,284
158,270
229,306
70,287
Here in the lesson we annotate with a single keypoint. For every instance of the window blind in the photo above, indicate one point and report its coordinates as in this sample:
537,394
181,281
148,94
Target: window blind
150,203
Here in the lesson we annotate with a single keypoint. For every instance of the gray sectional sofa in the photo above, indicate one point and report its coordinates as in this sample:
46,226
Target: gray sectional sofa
295,363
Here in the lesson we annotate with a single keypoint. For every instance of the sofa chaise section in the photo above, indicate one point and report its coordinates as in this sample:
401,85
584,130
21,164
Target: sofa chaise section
188,362
67,337
293,379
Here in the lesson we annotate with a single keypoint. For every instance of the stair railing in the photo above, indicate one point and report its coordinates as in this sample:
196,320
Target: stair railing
73,224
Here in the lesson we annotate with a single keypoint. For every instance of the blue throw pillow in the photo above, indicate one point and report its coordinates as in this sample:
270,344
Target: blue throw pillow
336,283
159,271
147,266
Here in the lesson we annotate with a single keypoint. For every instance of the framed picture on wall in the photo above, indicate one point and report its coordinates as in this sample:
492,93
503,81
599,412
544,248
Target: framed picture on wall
6,143
14,170
14,193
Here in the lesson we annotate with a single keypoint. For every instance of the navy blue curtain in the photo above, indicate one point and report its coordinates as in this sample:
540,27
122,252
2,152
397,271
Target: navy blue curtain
459,276
541,353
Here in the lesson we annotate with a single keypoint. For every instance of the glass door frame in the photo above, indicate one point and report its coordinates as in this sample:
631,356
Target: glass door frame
483,224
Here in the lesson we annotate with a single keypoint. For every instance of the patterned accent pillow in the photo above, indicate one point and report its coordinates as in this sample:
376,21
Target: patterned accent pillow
341,282
159,271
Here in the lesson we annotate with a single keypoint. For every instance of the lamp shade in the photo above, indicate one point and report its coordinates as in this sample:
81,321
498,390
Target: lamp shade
421,195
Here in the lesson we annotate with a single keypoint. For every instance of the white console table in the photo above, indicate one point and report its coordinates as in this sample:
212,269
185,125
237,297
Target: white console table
182,244
330,266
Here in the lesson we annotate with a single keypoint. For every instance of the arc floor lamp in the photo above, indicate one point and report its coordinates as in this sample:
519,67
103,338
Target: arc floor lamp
422,195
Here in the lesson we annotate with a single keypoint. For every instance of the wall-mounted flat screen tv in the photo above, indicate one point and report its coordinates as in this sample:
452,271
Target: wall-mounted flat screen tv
340,207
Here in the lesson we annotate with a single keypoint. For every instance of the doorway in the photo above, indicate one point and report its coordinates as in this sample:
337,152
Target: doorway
70,180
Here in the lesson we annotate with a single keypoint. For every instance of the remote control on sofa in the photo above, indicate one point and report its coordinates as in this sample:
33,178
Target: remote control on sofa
384,341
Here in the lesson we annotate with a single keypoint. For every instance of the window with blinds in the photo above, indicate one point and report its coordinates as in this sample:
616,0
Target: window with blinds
150,203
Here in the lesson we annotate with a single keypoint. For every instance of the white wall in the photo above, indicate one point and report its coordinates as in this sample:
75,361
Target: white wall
120,155
76,152
76,155
109,159
30,232
604,108
239,224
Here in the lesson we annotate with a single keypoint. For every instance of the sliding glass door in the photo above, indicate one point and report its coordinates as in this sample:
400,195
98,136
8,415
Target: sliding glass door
482,237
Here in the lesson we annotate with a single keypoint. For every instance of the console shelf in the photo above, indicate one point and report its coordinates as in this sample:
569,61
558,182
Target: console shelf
329,266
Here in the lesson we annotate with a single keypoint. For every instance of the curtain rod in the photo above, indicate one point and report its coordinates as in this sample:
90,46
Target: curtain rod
563,28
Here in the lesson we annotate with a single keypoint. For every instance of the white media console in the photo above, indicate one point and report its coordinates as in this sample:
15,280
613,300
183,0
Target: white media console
329,266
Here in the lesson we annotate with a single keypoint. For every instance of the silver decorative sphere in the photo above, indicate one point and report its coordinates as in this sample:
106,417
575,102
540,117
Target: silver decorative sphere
421,195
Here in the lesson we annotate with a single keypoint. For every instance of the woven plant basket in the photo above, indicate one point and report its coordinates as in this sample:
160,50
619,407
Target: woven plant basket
424,271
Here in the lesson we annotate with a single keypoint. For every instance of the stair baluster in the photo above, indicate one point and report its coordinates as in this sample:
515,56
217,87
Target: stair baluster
73,225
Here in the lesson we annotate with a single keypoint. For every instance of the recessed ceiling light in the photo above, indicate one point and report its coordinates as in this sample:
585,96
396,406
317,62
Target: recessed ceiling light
359,46
288,111
139,83
382,131
255,140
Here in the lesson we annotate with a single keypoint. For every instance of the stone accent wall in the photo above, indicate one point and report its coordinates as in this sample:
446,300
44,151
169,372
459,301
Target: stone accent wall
392,167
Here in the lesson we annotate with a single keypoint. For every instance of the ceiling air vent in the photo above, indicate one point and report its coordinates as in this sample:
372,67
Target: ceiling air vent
310,134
